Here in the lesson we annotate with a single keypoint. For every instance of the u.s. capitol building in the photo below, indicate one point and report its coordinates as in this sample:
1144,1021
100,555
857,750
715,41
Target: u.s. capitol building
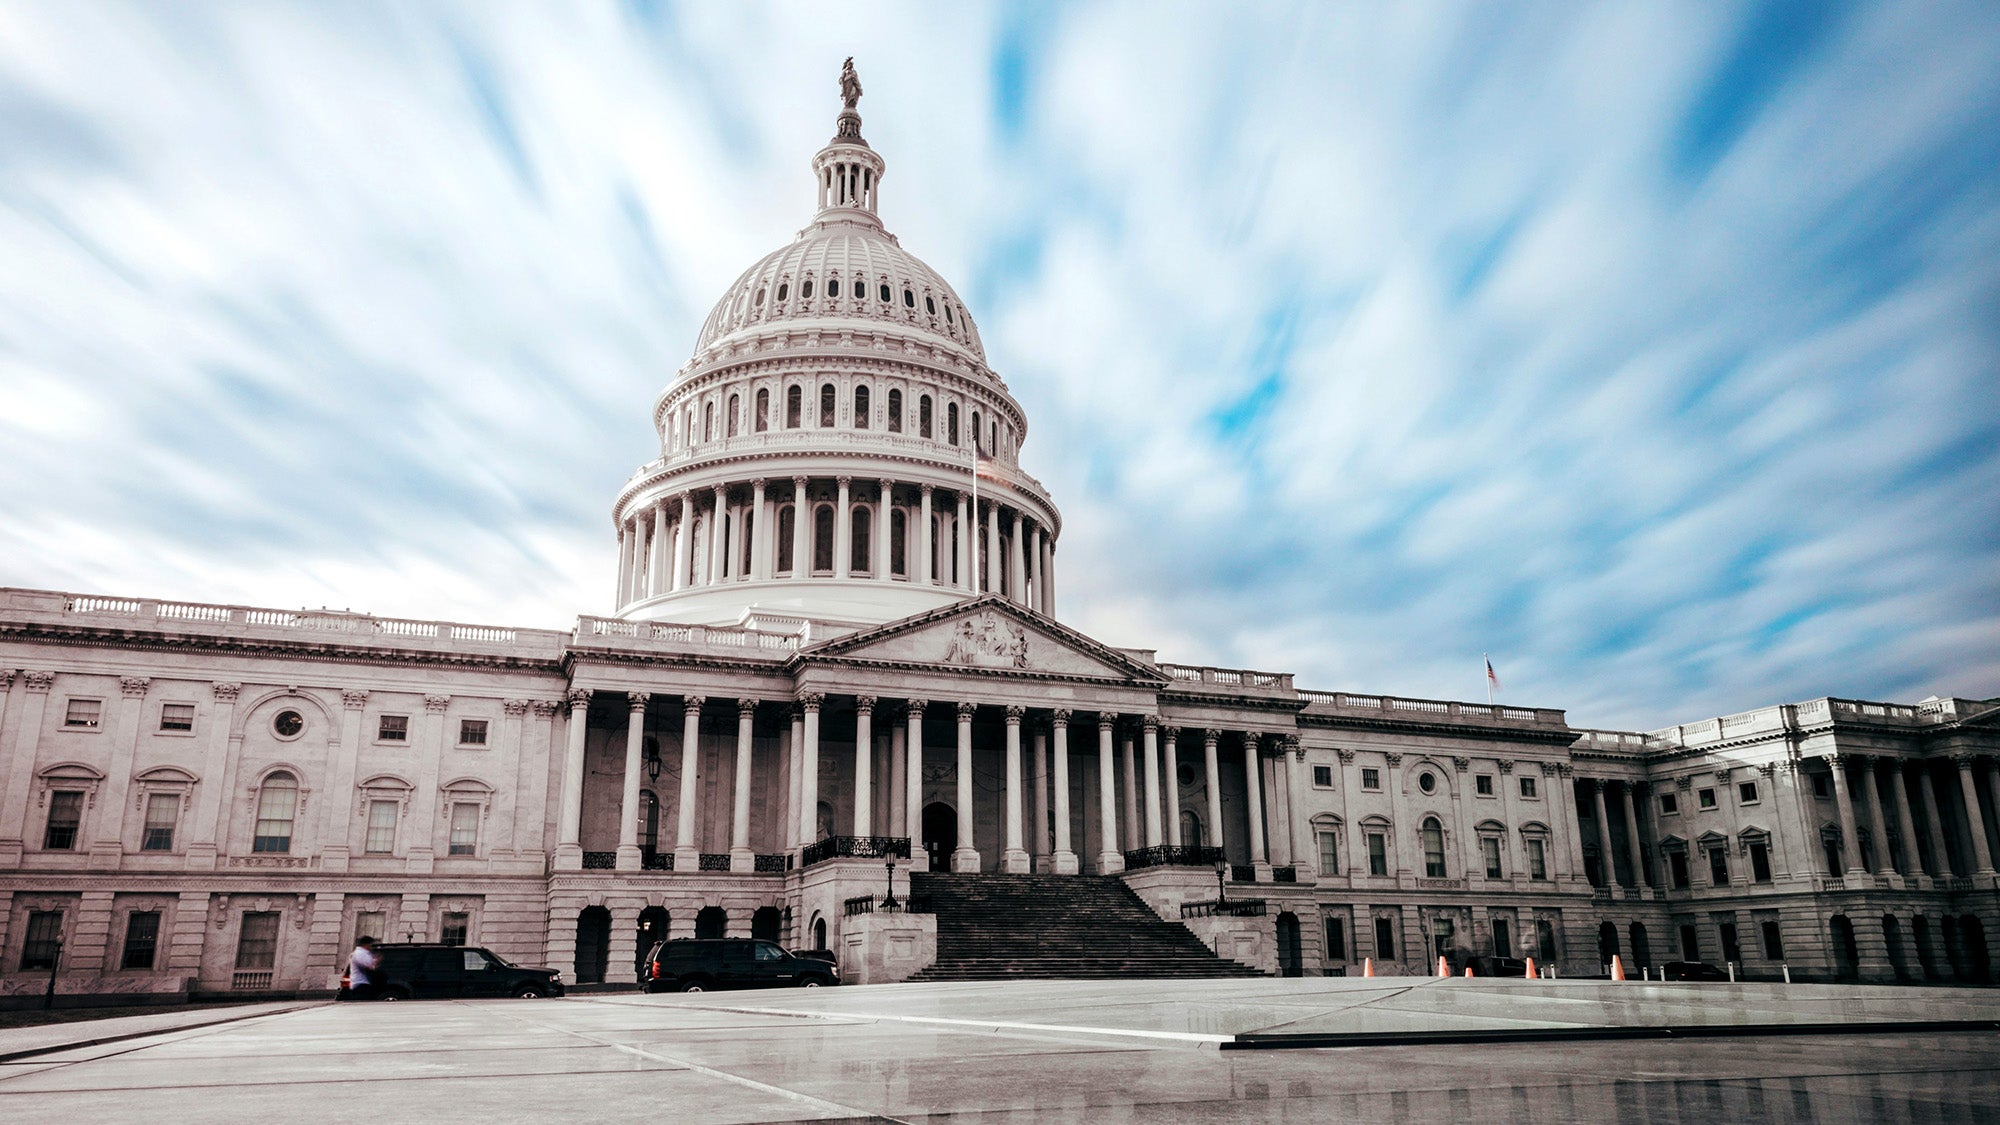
835,648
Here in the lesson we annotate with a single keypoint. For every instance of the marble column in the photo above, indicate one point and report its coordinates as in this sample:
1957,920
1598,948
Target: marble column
741,857
992,560
913,780
802,521
809,702
882,533
892,784
1038,829
107,838
718,536
1213,770
1037,600
965,857
1014,860
795,740
684,542
1150,746
1634,846
1017,570
1049,576
843,529
864,752
1877,822
1065,856
1607,867
687,856
926,568
1172,770
1128,768
1975,823
1906,835
570,825
624,563
1109,861
1850,837
1253,781
1933,821
1560,778
663,553
963,554
635,762
761,556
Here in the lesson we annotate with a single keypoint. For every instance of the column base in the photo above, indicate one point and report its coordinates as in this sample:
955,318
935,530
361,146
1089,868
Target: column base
687,861
1263,871
569,857
1015,862
1064,863
1110,863
965,861
629,857
740,859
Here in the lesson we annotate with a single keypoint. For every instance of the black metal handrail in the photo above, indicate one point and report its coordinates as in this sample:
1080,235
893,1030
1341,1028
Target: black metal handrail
1232,908
714,861
869,904
1172,855
600,861
1286,874
859,904
656,861
859,847
1242,873
782,861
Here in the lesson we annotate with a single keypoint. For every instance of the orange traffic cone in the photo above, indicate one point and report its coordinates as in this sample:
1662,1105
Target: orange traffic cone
1617,968
1531,974
1468,970
1444,970
1368,966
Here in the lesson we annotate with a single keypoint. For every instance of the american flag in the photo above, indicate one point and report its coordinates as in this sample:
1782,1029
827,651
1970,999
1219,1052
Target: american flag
984,465
1492,680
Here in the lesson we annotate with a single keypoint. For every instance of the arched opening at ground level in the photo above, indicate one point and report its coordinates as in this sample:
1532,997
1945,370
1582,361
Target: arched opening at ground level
1978,961
593,944
1920,936
1607,942
1846,955
765,924
1892,938
1291,959
653,926
1642,949
711,922
940,827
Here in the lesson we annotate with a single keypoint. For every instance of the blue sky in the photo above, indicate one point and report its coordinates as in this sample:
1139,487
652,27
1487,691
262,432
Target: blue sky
1652,349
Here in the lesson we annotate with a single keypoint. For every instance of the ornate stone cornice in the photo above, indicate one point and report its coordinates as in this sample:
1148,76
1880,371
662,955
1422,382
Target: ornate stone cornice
514,708
134,687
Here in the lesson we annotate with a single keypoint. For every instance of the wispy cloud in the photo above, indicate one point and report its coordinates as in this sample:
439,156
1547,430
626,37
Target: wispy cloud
1649,348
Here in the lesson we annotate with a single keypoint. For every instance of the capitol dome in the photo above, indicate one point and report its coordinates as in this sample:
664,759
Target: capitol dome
837,450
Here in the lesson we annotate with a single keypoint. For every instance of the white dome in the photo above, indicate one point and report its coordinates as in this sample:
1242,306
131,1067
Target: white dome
815,279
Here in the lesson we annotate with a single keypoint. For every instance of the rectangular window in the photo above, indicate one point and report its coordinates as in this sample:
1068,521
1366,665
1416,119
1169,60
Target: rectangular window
371,923
257,943
381,828
163,810
1528,788
393,728
1385,938
452,930
65,814
1718,866
1482,784
1774,945
1538,859
1760,863
1378,854
1731,951
1336,939
38,948
1822,785
1371,780
1503,938
83,712
277,805
142,939
1746,792
464,828
1329,853
1677,869
472,732
1670,804
176,716
1491,848
1322,777
1705,798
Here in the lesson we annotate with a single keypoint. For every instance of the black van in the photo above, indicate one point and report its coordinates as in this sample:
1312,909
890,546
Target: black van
702,964
438,972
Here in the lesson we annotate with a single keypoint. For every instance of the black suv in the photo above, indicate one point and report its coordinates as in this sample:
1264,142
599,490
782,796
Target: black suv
437,972
701,964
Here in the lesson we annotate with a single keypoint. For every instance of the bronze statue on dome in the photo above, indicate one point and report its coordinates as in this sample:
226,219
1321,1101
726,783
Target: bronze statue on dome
850,85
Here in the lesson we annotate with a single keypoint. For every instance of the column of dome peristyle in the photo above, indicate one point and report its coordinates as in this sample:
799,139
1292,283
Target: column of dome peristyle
840,355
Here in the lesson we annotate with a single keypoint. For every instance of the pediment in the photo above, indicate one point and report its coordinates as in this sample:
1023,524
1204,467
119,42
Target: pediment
989,635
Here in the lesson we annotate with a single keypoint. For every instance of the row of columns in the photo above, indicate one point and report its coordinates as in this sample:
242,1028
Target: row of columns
1906,857
657,553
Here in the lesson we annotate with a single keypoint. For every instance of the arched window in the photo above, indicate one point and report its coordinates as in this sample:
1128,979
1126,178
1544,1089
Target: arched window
951,422
826,406
784,290
833,287
806,289
735,408
909,299
794,398
1433,837
748,538
898,543
858,553
947,313
1190,823
993,438
861,407
895,411
786,516
277,806
885,293
823,537
975,430
930,305
923,416
764,406
711,922
708,422
649,823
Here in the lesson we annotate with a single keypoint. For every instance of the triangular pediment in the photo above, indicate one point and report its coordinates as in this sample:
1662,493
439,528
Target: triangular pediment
990,634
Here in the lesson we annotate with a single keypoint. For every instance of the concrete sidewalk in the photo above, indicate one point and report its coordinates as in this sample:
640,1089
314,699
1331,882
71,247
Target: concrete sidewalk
28,1042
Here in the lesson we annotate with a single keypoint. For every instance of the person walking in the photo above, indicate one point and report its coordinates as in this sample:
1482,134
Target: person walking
364,970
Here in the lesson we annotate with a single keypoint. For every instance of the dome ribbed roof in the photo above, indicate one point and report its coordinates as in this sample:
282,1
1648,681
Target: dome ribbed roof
797,284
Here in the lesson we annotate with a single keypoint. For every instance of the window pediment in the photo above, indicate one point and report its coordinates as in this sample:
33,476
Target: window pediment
1709,840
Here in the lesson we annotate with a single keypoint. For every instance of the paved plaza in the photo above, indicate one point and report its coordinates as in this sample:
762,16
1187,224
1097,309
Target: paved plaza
1051,1050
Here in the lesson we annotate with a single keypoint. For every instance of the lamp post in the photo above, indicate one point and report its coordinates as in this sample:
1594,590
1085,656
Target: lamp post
1221,863
889,900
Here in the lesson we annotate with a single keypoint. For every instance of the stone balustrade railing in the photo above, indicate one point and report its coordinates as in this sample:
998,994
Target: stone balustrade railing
700,636
1446,709
1227,677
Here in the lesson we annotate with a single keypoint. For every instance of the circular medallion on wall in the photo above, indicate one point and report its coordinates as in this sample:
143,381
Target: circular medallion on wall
288,724
1427,781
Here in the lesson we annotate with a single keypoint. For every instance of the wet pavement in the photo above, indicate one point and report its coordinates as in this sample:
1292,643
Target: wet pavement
1090,1051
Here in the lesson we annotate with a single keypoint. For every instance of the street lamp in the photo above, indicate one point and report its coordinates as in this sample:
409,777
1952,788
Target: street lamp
889,900
1220,865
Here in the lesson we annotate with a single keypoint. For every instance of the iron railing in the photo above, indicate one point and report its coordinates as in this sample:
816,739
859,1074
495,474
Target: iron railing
779,862
1286,874
714,861
1172,855
1231,908
656,861
859,847
1242,873
600,861
869,904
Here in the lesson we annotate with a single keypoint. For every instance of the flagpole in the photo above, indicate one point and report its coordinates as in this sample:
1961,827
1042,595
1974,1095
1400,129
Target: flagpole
978,573
1488,661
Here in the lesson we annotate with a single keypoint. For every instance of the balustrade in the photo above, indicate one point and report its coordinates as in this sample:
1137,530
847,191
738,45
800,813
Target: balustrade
1172,855
857,847
1224,908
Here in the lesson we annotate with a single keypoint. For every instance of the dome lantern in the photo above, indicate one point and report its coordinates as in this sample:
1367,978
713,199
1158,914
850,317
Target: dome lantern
848,172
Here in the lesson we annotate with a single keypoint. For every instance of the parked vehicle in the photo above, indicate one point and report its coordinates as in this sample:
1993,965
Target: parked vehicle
1498,967
1691,970
706,964
429,971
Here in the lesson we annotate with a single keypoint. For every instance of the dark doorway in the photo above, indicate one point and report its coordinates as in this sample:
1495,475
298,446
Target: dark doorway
1892,937
1545,940
1920,935
819,933
940,834
1290,958
1607,943
764,925
712,922
1690,944
1642,946
1977,961
1503,938
652,930
593,944
1846,955
1954,952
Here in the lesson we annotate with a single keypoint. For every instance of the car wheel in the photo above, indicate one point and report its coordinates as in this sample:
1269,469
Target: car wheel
695,986
391,996
811,982
529,992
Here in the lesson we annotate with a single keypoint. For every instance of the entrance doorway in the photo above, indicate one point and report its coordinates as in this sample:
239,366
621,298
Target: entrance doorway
765,924
653,923
1846,956
712,922
1291,959
593,944
940,834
